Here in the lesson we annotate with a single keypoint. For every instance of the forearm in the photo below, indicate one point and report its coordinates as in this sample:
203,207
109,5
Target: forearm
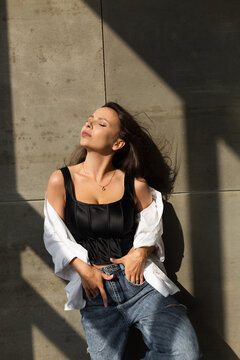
145,251
79,265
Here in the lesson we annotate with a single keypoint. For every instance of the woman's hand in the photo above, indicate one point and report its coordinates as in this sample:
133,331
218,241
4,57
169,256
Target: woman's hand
134,263
92,279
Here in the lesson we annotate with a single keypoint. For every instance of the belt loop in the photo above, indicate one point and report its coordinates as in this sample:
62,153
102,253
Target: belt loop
111,268
122,266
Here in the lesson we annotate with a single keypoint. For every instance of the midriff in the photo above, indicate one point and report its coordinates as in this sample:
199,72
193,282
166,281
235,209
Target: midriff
99,266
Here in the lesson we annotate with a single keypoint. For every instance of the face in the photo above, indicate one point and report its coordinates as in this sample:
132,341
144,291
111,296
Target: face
103,127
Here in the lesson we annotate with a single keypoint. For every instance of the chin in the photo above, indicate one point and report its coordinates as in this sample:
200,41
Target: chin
83,139
84,144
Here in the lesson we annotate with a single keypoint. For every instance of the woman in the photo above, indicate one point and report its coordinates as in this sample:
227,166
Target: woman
99,197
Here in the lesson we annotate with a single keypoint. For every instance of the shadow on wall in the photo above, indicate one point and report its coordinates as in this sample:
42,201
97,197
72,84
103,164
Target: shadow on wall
22,308
194,47
183,43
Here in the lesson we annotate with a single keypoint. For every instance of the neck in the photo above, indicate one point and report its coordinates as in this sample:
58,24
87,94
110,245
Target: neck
97,166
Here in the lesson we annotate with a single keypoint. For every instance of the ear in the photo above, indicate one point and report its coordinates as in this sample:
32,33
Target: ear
118,144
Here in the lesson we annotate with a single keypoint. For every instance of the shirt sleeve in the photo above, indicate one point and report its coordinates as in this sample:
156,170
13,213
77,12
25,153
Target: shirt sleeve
60,244
150,226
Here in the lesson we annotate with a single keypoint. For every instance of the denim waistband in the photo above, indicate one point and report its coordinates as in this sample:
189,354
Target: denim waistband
112,268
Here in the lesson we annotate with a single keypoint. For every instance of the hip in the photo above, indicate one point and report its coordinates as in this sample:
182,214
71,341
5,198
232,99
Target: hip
120,290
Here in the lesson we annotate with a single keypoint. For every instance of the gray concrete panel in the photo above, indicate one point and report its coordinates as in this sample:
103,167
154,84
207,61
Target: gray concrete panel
34,324
53,66
209,271
176,63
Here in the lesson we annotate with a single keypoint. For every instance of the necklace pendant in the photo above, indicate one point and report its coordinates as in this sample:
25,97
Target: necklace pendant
103,188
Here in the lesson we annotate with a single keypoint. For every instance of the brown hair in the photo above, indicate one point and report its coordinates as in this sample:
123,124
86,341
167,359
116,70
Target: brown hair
139,157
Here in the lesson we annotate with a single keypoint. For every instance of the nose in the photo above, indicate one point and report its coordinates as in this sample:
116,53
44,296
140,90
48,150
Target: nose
87,124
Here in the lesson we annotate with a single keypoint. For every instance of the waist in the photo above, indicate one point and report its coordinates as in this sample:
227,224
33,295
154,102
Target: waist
101,249
111,268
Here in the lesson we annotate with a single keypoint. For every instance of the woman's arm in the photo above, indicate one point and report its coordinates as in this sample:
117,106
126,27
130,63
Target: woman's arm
56,196
142,194
135,260
56,192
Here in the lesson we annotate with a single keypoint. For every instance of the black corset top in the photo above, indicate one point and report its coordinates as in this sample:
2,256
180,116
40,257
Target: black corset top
105,230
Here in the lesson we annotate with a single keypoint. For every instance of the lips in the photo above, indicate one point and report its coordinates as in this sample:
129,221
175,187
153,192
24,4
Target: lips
84,133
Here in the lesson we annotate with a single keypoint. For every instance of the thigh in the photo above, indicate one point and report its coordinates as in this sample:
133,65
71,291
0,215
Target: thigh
105,329
167,330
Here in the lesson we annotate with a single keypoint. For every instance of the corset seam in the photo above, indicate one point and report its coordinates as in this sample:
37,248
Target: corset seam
122,218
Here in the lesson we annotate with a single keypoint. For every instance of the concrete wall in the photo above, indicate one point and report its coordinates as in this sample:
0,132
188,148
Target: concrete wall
176,67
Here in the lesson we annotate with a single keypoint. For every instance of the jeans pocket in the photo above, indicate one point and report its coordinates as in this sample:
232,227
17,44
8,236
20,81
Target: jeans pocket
95,296
92,297
129,282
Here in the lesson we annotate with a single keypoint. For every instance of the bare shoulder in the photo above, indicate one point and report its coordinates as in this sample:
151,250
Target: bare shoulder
56,180
143,195
56,192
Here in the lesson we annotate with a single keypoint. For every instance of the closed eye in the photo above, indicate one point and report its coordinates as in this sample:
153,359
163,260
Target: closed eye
101,124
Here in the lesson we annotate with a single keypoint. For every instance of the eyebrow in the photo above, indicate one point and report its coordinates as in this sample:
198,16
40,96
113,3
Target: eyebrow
100,118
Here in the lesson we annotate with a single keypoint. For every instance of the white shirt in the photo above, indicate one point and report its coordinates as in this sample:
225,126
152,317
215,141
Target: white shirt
62,246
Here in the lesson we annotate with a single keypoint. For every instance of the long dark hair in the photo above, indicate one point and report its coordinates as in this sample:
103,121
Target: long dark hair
140,156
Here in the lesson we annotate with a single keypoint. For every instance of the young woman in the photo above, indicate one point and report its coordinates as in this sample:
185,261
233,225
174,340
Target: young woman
98,196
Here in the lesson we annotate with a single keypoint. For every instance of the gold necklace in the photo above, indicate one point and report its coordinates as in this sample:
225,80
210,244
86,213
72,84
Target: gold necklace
102,186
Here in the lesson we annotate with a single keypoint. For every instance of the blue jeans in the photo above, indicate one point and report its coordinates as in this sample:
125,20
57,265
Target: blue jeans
166,330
